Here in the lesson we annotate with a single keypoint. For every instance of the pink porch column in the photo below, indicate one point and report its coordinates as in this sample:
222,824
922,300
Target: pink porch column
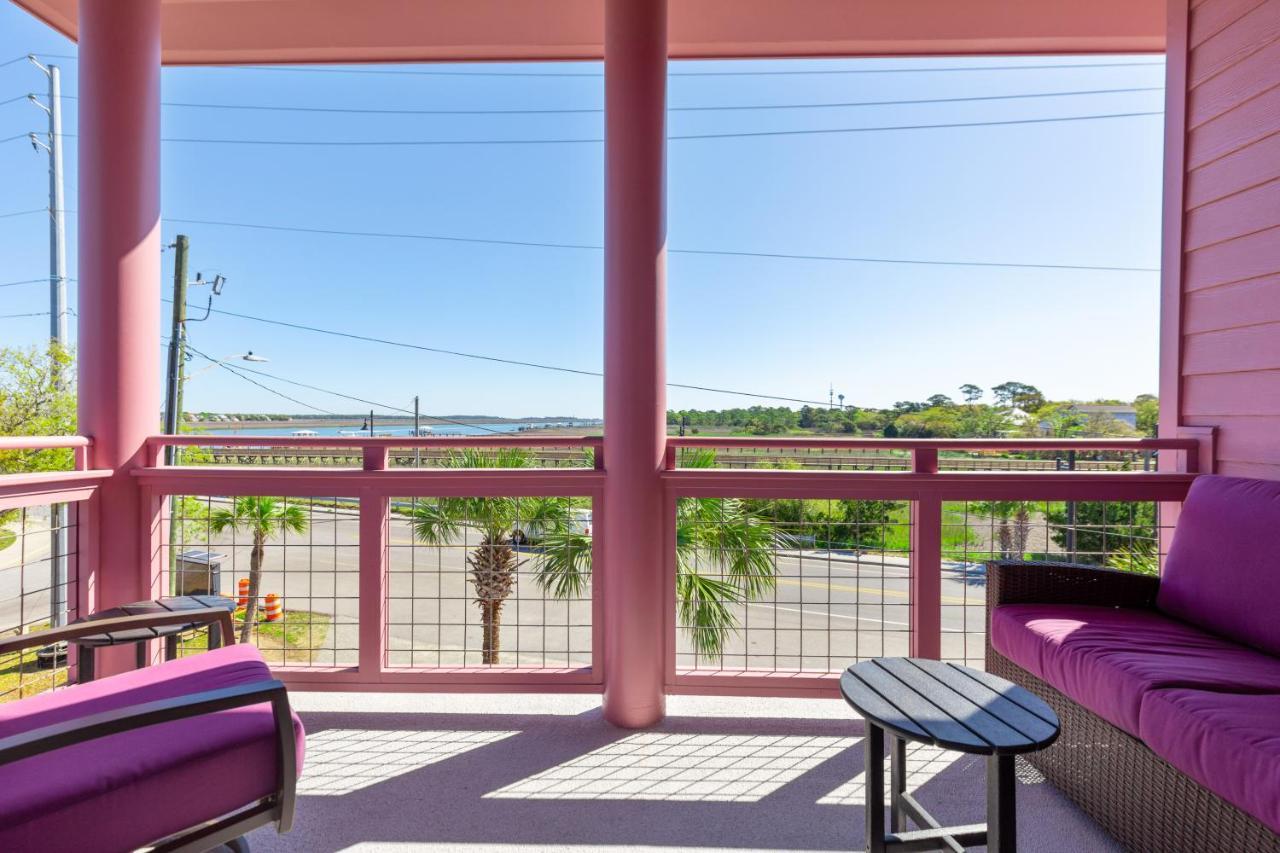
119,219
635,360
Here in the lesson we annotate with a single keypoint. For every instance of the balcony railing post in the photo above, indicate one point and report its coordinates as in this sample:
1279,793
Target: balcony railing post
926,562
375,522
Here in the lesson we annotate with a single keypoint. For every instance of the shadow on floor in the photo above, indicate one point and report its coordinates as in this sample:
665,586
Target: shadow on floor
564,782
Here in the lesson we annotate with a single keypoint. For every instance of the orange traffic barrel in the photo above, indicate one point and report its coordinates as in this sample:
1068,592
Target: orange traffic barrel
272,608
242,600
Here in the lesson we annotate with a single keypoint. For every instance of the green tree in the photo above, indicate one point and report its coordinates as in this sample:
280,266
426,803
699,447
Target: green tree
262,518
1148,412
37,397
1106,530
1018,395
1012,525
972,393
724,551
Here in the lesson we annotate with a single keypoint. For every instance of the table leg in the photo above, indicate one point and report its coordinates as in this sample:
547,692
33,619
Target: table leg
897,783
141,654
1002,814
214,636
85,661
171,647
874,772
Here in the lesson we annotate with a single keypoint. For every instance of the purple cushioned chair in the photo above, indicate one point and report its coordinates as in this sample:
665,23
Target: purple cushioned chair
188,755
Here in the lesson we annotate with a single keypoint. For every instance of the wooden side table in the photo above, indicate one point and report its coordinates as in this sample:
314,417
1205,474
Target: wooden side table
141,636
927,701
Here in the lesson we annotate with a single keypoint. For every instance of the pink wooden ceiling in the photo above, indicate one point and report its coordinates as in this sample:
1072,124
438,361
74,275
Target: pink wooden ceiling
241,31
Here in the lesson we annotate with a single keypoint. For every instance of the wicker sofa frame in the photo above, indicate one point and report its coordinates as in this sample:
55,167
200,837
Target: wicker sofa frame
1139,798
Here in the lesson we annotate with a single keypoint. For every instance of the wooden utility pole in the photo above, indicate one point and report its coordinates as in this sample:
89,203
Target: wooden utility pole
177,345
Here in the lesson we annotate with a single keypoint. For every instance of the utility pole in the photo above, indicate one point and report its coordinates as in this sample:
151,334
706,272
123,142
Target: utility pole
177,346
57,314
417,433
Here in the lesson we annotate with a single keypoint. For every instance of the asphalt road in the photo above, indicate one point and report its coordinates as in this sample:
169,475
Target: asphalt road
827,608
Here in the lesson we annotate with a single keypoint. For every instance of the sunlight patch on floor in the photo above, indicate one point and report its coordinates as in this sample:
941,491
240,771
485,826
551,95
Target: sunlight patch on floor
924,762
681,767
340,761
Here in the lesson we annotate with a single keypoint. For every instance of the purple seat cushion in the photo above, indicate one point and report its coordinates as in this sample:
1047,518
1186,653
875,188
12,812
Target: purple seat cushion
1106,658
125,790
1229,743
1223,568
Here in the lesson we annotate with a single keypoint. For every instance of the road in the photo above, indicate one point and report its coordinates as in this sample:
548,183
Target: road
826,609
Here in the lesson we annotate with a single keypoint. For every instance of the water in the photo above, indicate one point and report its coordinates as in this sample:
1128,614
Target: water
394,431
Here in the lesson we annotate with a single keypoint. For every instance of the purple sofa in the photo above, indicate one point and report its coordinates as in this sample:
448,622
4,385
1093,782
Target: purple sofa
1168,688
191,753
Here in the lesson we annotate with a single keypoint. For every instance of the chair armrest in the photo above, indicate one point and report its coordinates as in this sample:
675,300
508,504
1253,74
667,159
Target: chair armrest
1042,582
202,616
71,732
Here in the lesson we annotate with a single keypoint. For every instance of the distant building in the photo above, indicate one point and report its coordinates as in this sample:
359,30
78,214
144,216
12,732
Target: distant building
1124,414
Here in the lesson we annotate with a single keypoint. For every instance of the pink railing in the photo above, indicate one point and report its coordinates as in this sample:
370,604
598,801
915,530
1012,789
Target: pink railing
372,486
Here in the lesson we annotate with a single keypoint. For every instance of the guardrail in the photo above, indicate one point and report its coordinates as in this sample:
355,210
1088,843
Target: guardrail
920,481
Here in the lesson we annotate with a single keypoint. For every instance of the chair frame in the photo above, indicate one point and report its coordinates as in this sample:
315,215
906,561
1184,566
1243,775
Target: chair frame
276,808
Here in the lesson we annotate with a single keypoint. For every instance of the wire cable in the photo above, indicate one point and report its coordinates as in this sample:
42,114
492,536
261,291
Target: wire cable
596,140
490,358
743,73
238,370
15,316
593,247
24,212
24,281
598,110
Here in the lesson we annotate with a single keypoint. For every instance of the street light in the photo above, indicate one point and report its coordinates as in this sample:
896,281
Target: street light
240,356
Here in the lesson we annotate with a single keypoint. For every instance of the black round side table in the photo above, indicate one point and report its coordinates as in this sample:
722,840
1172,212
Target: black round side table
927,701
142,635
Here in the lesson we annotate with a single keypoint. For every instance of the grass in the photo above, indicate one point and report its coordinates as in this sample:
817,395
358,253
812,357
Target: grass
21,675
7,538
294,639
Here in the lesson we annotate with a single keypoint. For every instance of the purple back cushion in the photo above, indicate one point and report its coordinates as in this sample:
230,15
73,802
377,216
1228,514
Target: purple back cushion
1223,568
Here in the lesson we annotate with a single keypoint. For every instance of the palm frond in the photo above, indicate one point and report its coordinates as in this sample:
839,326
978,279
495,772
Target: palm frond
704,605
435,522
563,567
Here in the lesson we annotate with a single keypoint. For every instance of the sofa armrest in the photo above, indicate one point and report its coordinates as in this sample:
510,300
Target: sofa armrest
71,732
1043,582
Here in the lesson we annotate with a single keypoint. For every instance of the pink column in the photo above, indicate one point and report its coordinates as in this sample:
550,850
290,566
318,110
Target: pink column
119,272
635,360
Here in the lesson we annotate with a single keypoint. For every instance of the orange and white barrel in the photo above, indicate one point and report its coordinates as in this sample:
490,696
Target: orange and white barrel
242,598
272,608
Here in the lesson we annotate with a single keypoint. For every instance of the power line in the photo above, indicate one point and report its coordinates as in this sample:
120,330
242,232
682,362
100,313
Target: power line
479,357
24,281
397,143
24,212
15,316
597,110
252,381
239,370
742,73
593,247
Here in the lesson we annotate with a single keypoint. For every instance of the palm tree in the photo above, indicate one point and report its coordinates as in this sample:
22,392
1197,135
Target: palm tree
262,517
724,552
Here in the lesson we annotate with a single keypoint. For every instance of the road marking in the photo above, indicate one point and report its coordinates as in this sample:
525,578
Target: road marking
802,611
868,590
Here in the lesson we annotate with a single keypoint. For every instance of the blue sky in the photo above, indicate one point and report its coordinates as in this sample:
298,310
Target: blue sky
1074,193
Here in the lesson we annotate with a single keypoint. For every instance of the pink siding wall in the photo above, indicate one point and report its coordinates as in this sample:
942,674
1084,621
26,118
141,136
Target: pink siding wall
1228,345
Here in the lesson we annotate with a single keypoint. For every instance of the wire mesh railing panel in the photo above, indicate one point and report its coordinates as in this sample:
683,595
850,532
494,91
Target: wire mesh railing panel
998,461
292,565
350,455
39,588
790,585
1123,535
490,581
791,458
